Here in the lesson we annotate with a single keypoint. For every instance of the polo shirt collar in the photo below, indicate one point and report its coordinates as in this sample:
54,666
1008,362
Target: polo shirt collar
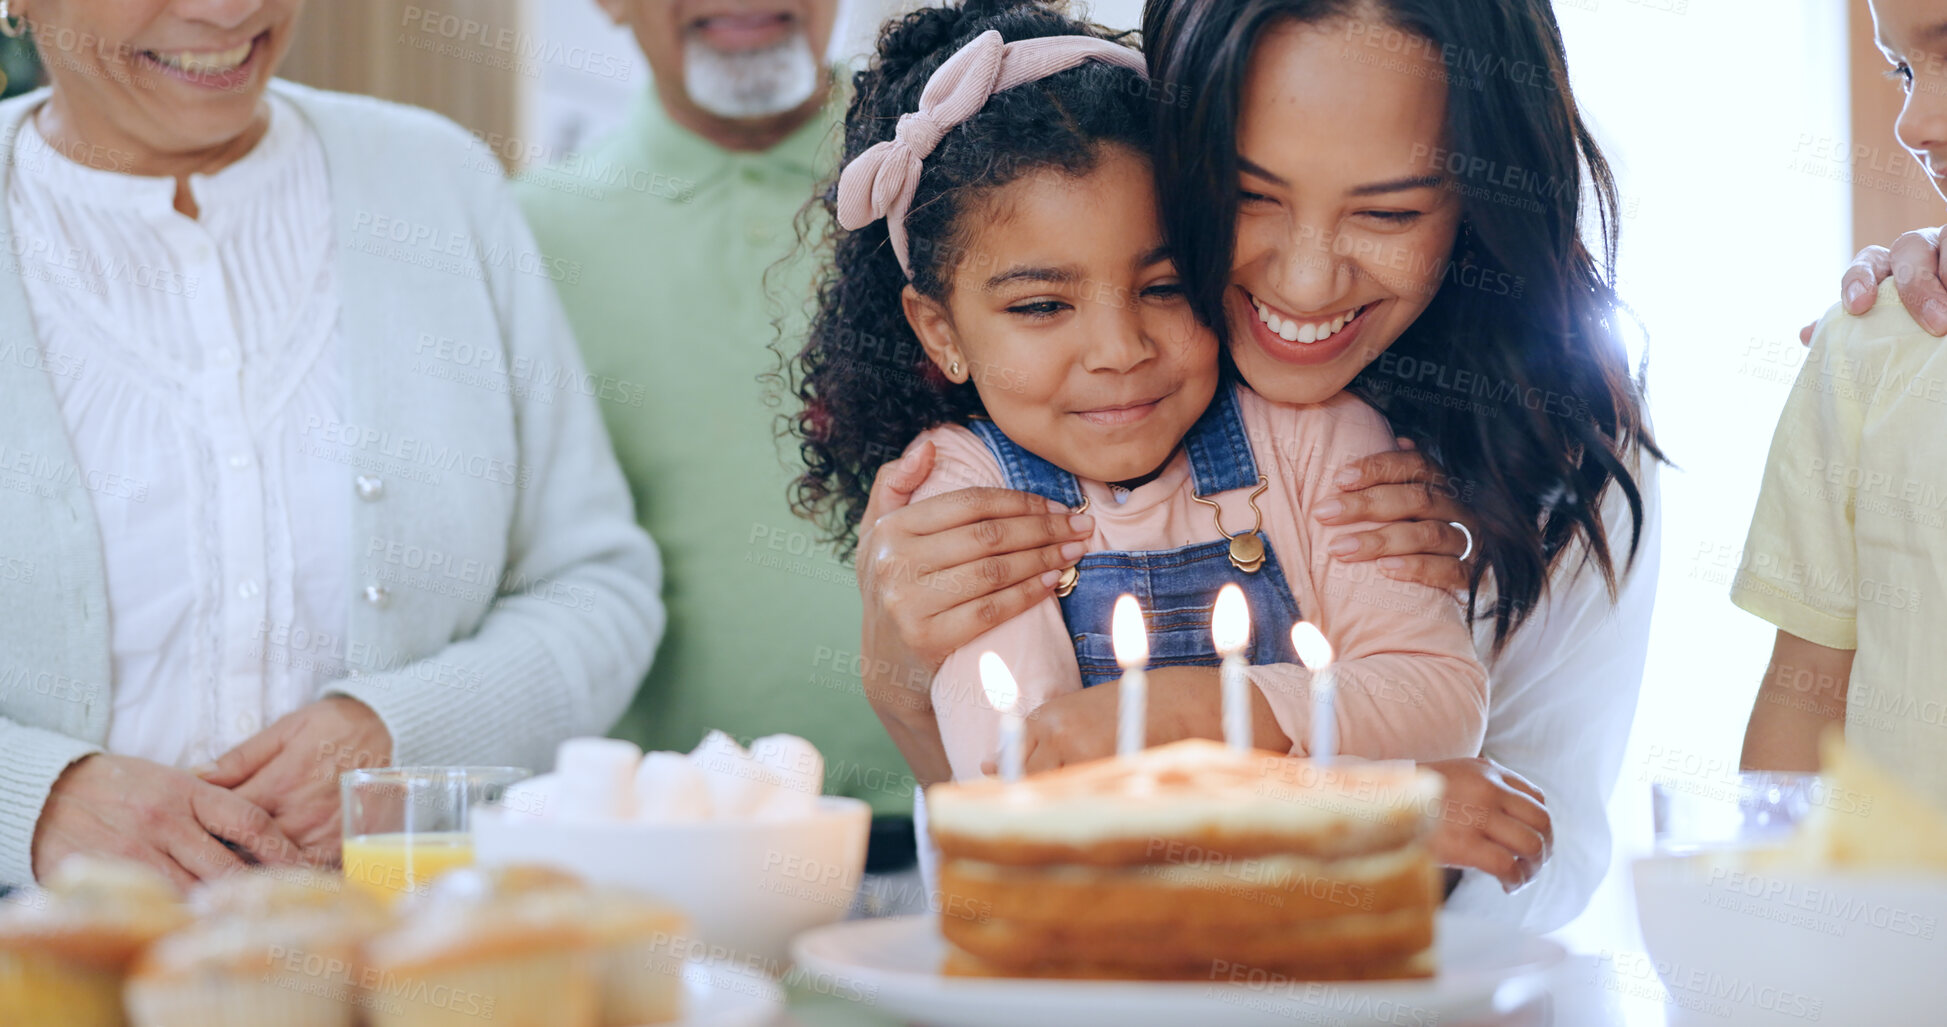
678,152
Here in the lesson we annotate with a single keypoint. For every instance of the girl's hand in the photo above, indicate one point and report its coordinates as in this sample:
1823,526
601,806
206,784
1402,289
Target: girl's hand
1417,543
1495,821
1914,263
1184,702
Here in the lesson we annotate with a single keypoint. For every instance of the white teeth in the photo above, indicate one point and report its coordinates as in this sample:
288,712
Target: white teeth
1303,333
206,63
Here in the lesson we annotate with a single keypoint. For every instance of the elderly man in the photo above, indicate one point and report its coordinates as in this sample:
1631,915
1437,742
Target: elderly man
675,220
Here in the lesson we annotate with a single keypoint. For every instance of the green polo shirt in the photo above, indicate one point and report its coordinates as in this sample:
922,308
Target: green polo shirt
670,238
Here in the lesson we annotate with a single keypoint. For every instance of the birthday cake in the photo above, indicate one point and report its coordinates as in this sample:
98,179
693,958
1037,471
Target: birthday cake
1191,861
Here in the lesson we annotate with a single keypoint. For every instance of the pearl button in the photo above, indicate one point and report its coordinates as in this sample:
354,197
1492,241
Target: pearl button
370,487
240,461
248,589
377,595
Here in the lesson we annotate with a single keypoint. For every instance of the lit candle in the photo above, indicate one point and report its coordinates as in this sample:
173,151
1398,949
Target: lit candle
1132,653
1316,653
1004,695
1230,629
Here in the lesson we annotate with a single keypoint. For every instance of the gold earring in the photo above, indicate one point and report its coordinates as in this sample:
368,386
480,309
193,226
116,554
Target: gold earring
10,26
952,370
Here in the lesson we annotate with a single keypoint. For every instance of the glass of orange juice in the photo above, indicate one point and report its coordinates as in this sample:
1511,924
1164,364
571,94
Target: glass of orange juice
405,826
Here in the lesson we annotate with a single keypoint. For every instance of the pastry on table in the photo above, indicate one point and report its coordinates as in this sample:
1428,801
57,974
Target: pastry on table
510,948
65,948
638,950
633,941
1189,860
276,946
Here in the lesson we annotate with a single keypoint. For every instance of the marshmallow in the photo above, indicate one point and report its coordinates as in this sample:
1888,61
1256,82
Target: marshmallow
796,771
671,789
597,778
737,783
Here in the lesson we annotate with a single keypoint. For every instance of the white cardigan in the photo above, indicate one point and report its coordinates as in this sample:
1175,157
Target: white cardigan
499,459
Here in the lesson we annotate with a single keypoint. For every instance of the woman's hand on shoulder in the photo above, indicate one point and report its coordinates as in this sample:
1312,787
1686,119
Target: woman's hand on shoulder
937,573
1418,506
1494,820
1914,263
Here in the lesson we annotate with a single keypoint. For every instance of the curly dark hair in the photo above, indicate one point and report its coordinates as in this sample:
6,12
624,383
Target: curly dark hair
1567,419
866,385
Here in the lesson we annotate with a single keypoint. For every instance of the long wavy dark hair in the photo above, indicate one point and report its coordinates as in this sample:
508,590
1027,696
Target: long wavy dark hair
866,386
1562,416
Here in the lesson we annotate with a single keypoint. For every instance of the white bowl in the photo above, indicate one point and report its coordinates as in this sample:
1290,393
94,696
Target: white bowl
749,886
1735,945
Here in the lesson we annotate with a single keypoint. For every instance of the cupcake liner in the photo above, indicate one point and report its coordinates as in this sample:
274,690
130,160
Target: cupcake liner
539,989
36,988
242,999
642,983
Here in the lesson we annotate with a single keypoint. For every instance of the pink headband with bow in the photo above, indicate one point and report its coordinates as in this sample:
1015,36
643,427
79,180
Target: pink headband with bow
880,182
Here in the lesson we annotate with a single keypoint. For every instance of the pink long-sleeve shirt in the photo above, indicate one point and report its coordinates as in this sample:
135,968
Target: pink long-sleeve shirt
1409,685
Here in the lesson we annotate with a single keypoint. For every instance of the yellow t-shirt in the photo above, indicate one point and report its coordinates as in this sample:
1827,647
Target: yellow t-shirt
1848,547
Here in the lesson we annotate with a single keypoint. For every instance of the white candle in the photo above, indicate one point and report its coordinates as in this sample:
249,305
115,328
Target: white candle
1316,653
1132,653
1004,696
1230,629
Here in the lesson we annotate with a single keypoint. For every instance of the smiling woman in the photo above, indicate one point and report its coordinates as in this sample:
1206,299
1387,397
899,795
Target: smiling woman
169,95
235,280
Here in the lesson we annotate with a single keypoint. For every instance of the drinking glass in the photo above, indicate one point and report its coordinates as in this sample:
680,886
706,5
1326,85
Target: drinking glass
1753,807
405,826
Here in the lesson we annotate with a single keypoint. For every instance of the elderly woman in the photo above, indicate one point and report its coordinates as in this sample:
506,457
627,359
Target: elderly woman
298,467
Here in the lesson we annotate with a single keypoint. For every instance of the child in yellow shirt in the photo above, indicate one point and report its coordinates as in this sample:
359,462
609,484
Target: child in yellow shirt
1847,552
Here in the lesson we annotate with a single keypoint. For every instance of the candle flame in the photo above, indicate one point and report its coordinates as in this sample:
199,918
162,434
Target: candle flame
1230,622
1313,650
1127,632
998,682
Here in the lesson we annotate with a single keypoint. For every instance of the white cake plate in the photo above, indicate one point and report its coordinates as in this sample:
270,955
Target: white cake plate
894,963
721,995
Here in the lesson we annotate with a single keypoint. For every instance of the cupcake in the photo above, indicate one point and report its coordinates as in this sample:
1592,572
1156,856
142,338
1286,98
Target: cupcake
504,947
274,946
66,948
634,941
638,956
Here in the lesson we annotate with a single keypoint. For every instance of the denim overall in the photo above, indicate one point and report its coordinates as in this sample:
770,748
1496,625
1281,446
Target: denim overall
1176,587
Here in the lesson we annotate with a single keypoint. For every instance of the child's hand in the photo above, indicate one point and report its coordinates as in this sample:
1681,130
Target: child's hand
1184,702
1495,821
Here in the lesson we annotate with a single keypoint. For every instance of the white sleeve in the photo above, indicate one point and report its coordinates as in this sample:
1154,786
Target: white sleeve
1564,694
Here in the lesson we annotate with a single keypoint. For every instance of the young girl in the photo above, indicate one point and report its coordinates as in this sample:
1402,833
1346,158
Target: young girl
1002,291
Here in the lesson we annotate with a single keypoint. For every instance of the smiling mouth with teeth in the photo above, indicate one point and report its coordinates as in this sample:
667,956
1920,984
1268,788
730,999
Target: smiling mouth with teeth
204,62
1303,332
